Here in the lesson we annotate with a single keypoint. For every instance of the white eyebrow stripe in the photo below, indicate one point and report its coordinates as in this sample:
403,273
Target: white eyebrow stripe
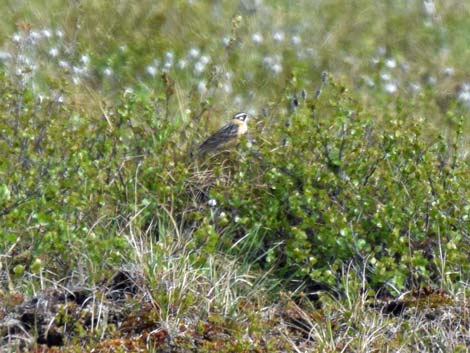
240,115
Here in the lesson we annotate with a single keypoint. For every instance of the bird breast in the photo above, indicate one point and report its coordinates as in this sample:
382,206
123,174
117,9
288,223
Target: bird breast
242,129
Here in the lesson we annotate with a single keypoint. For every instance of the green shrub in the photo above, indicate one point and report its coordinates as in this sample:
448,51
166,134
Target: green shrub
334,186
70,180
324,186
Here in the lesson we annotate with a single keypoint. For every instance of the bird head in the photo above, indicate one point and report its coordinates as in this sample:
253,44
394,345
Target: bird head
241,116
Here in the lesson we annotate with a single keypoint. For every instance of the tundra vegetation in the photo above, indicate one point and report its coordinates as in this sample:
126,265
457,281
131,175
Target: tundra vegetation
340,223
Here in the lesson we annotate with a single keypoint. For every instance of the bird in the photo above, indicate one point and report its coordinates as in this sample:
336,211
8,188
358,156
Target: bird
230,132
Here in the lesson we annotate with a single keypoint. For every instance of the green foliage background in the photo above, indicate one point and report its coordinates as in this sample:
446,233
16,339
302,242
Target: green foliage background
369,170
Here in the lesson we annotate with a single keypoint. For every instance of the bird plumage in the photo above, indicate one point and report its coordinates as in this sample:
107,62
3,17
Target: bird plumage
230,132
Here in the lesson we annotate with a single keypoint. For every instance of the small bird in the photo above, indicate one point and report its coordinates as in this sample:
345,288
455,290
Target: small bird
230,132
